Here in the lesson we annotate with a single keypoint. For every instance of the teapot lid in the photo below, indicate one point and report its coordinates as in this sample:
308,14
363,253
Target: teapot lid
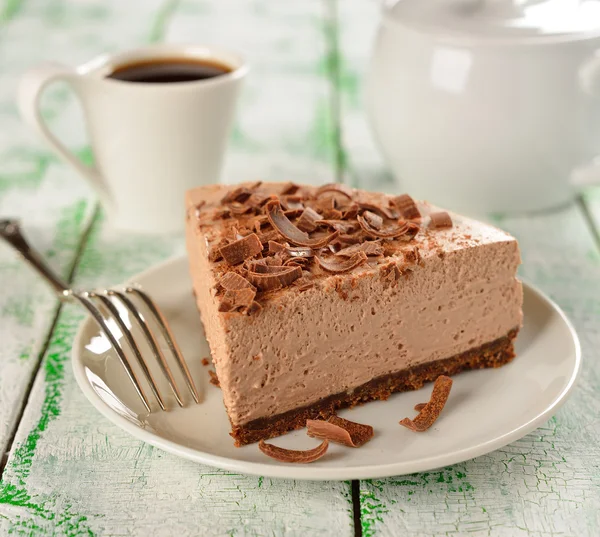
574,19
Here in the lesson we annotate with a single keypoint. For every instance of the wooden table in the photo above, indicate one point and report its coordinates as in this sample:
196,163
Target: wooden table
66,470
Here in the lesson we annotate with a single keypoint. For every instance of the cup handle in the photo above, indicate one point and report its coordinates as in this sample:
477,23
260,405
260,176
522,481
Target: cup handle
30,90
589,81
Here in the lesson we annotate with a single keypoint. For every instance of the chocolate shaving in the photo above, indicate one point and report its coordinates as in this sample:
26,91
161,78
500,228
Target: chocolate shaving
340,431
275,247
339,225
214,380
274,281
413,229
385,212
258,200
407,206
324,204
242,249
258,223
289,188
292,455
238,208
293,213
304,283
354,238
239,194
350,212
232,281
290,232
222,213
373,219
205,361
214,254
420,406
297,262
369,248
336,266
431,411
266,236
239,298
308,220
387,232
259,268
331,214
300,251
412,256
440,220
335,187
292,202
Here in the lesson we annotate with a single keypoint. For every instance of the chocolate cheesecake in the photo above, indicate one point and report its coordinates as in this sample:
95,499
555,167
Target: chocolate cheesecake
316,299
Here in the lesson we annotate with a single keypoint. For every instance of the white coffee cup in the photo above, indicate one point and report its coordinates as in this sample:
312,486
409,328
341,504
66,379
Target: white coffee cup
151,141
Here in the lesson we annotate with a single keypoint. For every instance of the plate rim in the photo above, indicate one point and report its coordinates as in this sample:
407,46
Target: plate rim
306,473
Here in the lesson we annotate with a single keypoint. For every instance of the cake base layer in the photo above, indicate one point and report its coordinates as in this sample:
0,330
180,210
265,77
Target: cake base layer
493,354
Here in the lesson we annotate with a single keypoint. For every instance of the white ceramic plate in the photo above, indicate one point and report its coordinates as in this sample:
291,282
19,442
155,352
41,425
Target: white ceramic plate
487,409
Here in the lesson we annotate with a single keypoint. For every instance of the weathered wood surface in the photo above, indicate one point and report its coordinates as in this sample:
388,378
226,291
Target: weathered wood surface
54,203
548,483
71,472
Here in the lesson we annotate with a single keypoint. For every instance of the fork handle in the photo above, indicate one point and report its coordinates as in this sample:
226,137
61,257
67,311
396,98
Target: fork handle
10,231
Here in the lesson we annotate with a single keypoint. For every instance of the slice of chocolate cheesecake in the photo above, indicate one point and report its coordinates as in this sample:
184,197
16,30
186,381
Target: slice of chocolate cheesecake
315,299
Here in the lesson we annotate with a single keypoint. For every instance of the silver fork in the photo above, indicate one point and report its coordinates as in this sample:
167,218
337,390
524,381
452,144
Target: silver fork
101,305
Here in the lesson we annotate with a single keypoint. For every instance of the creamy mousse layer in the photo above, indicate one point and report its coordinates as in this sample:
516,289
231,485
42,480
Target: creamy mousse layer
456,291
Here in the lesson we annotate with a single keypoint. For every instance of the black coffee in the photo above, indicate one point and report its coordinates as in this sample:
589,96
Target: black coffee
166,70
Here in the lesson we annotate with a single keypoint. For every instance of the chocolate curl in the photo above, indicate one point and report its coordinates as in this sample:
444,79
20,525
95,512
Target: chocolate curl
291,455
340,431
292,202
387,232
289,231
231,281
350,212
238,251
440,220
336,266
385,212
370,248
236,299
335,187
239,194
407,206
374,219
214,380
274,281
432,410
289,188
275,247
343,226
308,220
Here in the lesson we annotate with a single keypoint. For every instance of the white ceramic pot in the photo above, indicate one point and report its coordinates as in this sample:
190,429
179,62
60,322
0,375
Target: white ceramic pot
488,105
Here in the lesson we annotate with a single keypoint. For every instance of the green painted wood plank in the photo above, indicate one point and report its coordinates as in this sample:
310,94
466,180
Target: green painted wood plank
285,130
548,482
63,446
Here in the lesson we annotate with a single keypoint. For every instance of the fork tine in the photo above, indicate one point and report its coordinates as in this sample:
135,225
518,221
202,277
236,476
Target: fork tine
132,344
97,316
131,307
168,335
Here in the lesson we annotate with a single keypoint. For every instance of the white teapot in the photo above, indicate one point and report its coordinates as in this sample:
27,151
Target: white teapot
488,105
